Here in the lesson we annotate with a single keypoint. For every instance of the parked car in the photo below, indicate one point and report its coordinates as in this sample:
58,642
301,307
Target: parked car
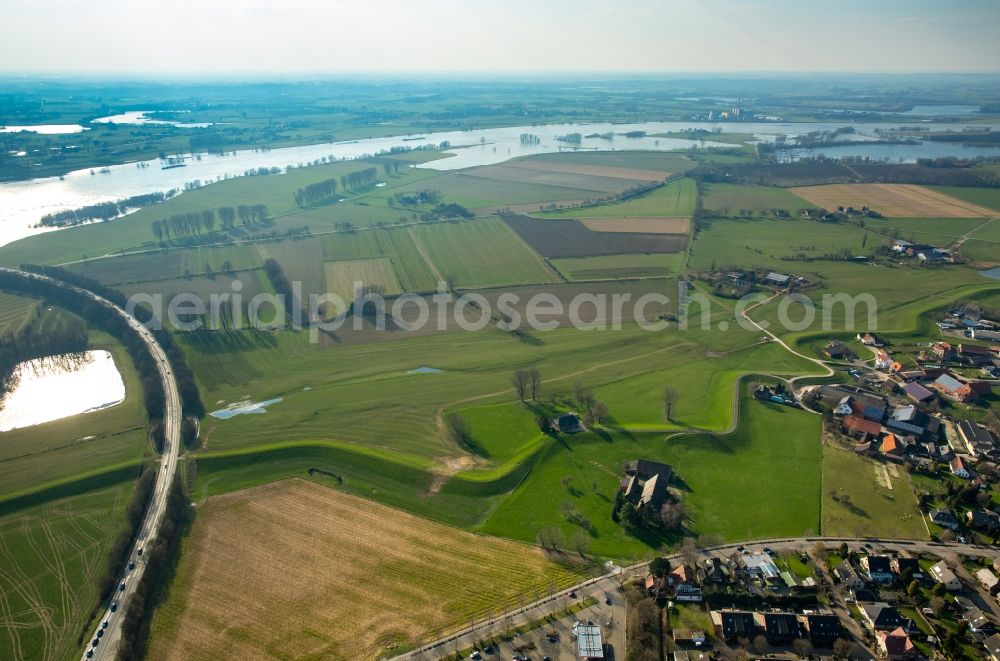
121,588
114,606
131,565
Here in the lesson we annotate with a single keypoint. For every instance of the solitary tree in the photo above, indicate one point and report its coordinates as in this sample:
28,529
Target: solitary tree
458,429
535,383
669,403
520,383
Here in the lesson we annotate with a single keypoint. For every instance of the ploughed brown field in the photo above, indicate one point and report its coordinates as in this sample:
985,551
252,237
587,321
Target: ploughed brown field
294,569
644,225
894,200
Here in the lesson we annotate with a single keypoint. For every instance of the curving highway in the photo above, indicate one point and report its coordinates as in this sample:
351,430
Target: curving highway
107,642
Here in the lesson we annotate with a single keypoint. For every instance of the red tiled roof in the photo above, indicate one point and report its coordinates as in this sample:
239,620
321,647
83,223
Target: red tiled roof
857,423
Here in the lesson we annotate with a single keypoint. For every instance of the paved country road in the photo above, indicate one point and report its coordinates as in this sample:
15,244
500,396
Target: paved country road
607,584
107,647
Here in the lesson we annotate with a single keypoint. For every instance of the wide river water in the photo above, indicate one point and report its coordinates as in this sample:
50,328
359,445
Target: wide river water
60,386
23,203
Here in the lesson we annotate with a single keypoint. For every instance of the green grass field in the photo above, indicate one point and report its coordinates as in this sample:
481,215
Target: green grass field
342,276
857,500
773,243
52,556
737,200
675,198
724,481
15,312
482,253
396,244
612,267
934,231
987,197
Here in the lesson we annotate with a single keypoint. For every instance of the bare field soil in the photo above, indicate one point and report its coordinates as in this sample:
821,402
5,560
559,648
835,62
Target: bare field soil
894,200
296,570
571,238
662,225
633,174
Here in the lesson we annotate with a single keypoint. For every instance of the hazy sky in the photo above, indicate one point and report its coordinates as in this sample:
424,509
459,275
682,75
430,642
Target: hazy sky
206,36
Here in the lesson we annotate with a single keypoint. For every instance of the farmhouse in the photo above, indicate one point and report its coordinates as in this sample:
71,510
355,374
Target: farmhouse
945,576
891,448
588,641
978,439
869,340
883,360
950,387
917,392
837,350
567,423
777,279
858,426
975,355
645,484
943,351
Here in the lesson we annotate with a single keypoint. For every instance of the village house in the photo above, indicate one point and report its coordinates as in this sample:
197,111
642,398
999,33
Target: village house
992,645
944,518
946,577
778,628
943,351
731,625
883,617
878,568
978,622
848,576
683,584
869,340
984,520
759,566
891,448
821,628
895,645
989,581
959,469
883,360
694,637
902,566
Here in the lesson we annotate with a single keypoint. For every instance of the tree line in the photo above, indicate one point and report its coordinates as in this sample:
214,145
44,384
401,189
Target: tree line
282,286
104,210
193,223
